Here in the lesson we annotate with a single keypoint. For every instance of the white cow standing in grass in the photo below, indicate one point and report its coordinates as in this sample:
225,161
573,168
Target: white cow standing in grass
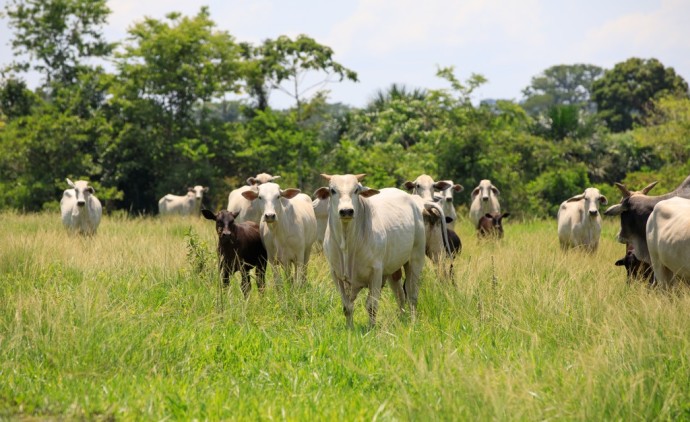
371,235
579,220
484,201
668,240
81,210
190,204
246,209
288,226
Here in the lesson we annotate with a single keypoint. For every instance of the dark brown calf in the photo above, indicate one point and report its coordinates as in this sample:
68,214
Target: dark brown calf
491,225
239,248
634,268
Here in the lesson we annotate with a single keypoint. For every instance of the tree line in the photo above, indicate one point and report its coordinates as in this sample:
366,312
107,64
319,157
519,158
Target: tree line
166,115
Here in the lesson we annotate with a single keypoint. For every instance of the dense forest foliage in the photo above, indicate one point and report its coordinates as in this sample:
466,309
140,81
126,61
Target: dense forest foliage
162,118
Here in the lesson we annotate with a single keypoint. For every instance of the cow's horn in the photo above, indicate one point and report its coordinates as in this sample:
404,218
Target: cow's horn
623,189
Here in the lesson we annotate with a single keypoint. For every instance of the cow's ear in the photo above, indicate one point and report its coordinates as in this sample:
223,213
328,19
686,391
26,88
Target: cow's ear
366,193
250,181
576,198
290,193
409,185
360,176
603,200
70,183
495,190
91,189
441,185
620,262
504,215
489,216
614,210
234,214
250,194
208,214
205,189
475,192
274,178
322,193
458,188
326,177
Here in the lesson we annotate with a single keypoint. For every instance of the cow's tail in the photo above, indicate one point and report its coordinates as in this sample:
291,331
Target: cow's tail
444,228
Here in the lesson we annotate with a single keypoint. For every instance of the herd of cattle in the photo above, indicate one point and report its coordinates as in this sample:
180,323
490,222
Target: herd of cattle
369,236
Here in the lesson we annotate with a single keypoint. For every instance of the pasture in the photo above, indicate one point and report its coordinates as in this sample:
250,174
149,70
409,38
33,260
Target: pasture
123,326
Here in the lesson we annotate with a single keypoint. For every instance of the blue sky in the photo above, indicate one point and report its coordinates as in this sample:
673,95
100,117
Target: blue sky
404,41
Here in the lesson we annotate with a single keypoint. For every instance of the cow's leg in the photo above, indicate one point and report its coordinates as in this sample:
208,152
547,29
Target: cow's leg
396,285
663,276
260,274
348,306
246,285
225,273
413,272
374,295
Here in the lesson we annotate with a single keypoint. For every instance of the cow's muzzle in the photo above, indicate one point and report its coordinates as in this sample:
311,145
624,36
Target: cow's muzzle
449,199
346,213
81,203
485,198
270,218
593,213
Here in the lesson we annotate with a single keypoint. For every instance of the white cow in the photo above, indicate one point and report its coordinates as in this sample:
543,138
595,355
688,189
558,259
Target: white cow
579,220
288,226
246,209
190,204
447,202
321,212
484,201
81,210
668,240
371,235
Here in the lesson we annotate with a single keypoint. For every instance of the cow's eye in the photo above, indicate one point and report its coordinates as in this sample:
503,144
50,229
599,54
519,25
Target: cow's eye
260,197
332,191
418,186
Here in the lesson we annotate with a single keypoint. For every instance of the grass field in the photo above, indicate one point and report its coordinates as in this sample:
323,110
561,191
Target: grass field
121,326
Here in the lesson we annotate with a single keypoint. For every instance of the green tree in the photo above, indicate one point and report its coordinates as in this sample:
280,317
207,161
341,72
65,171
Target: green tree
166,138
57,35
561,85
291,66
624,94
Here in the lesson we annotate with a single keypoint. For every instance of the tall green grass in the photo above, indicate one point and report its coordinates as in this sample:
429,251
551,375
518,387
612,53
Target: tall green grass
122,326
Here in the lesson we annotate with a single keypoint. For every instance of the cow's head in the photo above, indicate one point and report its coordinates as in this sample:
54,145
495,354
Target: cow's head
591,198
268,197
344,192
496,220
447,193
225,221
82,191
630,222
424,186
485,190
198,192
260,179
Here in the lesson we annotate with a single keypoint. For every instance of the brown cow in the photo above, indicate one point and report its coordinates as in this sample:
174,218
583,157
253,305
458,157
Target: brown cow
239,248
634,268
491,225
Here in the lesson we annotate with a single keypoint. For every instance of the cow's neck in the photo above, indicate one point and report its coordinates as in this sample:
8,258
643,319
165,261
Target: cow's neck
348,235
281,228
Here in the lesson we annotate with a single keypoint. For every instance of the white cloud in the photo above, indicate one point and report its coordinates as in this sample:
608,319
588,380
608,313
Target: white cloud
391,26
661,33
